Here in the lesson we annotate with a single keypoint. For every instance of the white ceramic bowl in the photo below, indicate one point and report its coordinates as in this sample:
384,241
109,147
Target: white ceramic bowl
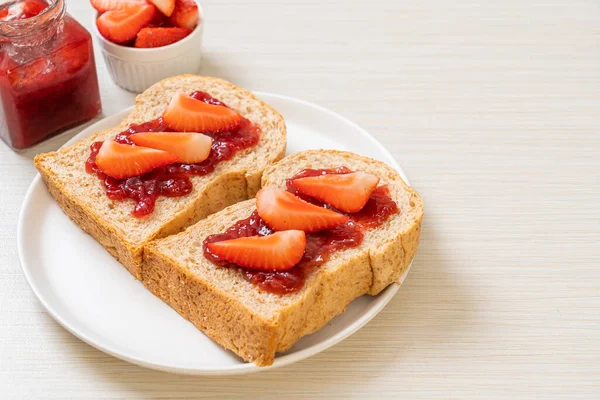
138,69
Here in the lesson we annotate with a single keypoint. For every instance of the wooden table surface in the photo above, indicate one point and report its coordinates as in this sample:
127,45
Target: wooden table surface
493,110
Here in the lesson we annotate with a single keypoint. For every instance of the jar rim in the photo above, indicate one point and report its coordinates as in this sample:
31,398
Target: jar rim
14,25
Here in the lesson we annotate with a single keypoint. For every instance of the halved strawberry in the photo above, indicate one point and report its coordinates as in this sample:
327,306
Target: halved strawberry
165,6
122,161
186,114
111,5
121,26
346,192
186,14
277,252
158,37
189,147
282,210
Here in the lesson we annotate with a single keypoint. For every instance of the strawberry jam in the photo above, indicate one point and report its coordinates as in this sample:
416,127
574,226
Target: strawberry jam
172,180
319,245
48,79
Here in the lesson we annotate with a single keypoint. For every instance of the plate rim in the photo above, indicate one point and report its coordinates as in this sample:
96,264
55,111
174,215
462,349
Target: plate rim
243,368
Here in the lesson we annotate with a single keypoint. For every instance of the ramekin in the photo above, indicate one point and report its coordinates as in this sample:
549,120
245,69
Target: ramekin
137,69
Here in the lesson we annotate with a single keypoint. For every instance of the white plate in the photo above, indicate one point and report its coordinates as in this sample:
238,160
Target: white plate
96,299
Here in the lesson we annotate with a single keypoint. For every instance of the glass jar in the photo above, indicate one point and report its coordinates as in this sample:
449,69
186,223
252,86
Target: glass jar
48,79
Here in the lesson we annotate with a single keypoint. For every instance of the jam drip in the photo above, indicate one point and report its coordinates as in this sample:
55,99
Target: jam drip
319,245
172,180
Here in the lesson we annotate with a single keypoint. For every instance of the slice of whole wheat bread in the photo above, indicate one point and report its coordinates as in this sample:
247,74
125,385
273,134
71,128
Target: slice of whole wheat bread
255,324
82,197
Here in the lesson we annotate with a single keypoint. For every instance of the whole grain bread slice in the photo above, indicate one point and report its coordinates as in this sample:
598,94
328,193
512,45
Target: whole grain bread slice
255,324
82,197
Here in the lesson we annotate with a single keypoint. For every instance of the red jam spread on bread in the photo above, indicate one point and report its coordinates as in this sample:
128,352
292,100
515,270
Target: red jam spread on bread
172,180
319,245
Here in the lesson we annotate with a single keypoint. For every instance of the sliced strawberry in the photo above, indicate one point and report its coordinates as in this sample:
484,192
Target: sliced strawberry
165,6
121,26
346,192
186,114
122,161
282,210
111,5
189,147
186,14
277,252
158,37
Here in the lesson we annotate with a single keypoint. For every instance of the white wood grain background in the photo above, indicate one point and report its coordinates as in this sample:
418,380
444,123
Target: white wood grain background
493,110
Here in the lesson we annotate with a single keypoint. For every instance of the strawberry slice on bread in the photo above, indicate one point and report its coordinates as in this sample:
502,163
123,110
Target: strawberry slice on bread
111,5
121,26
346,192
186,114
123,161
281,210
158,37
279,251
189,147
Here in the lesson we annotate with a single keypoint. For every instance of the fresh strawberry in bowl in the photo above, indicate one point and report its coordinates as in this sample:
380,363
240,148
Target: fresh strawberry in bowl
140,39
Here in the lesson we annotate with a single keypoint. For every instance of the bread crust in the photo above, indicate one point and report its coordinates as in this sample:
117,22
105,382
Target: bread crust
80,195
220,316
175,270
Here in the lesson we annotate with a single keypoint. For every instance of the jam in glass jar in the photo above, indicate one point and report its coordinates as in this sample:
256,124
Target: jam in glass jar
48,79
